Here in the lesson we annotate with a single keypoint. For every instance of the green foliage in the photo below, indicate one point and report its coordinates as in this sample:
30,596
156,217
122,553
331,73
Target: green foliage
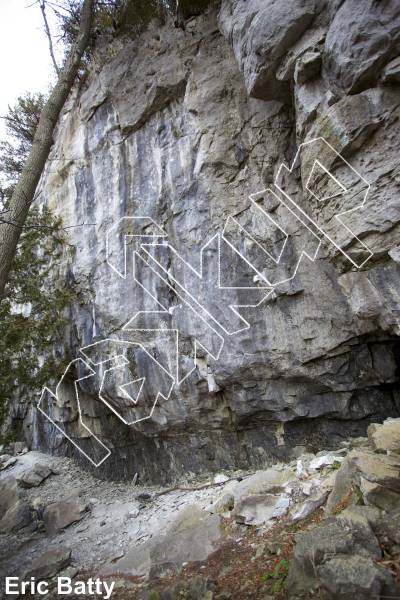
21,121
111,16
32,314
68,16
277,576
335,465
32,311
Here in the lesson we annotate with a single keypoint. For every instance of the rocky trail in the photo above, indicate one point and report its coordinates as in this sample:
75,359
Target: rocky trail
324,526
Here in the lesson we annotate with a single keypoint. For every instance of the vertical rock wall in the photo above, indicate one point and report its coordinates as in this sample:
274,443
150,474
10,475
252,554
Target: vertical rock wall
182,126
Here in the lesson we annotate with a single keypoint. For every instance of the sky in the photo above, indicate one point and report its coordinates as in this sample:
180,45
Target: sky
25,64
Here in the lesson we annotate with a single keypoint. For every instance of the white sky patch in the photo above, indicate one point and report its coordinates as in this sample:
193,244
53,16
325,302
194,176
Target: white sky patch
25,64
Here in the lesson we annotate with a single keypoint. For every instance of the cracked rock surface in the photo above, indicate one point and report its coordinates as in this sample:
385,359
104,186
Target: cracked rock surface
182,126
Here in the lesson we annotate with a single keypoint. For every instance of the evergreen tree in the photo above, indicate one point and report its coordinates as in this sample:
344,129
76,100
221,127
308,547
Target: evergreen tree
32,311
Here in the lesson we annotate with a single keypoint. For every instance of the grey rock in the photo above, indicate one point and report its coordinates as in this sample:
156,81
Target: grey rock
197,588
60,515
394,253
268,547
317,546
49,564
378,468
385,437
391,73
34,476
14,512
358,577
388,526
135,562
261,32
379,495
360,40
164,126
309,506
192,536
8,461
351,121
18,448
364,515
273,480
223,505
376,476
16,518
146,496
257,509
308,66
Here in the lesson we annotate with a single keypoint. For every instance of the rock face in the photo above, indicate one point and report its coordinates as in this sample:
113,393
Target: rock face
179,127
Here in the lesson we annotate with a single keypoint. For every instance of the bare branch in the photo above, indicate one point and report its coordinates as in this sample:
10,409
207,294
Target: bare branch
47,29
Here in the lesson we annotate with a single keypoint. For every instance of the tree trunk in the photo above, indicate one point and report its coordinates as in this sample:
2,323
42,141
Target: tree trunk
24,192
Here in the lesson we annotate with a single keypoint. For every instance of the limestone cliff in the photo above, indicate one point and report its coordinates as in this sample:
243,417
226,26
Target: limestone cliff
181,126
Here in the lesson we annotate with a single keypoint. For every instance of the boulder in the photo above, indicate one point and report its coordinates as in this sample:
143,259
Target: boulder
379,468
356,578
333,538
192,536
136,562
223,505
379,495
385,437
60,515
343,486
257,509
309,506
375,476
196,588
17,517
7,461
34,476
14,512
364,515
49,564
389,526
8,494
324,460
269,481
18,448
262,496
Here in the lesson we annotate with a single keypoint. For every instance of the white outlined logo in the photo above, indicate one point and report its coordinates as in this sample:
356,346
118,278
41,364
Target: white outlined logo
211,301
